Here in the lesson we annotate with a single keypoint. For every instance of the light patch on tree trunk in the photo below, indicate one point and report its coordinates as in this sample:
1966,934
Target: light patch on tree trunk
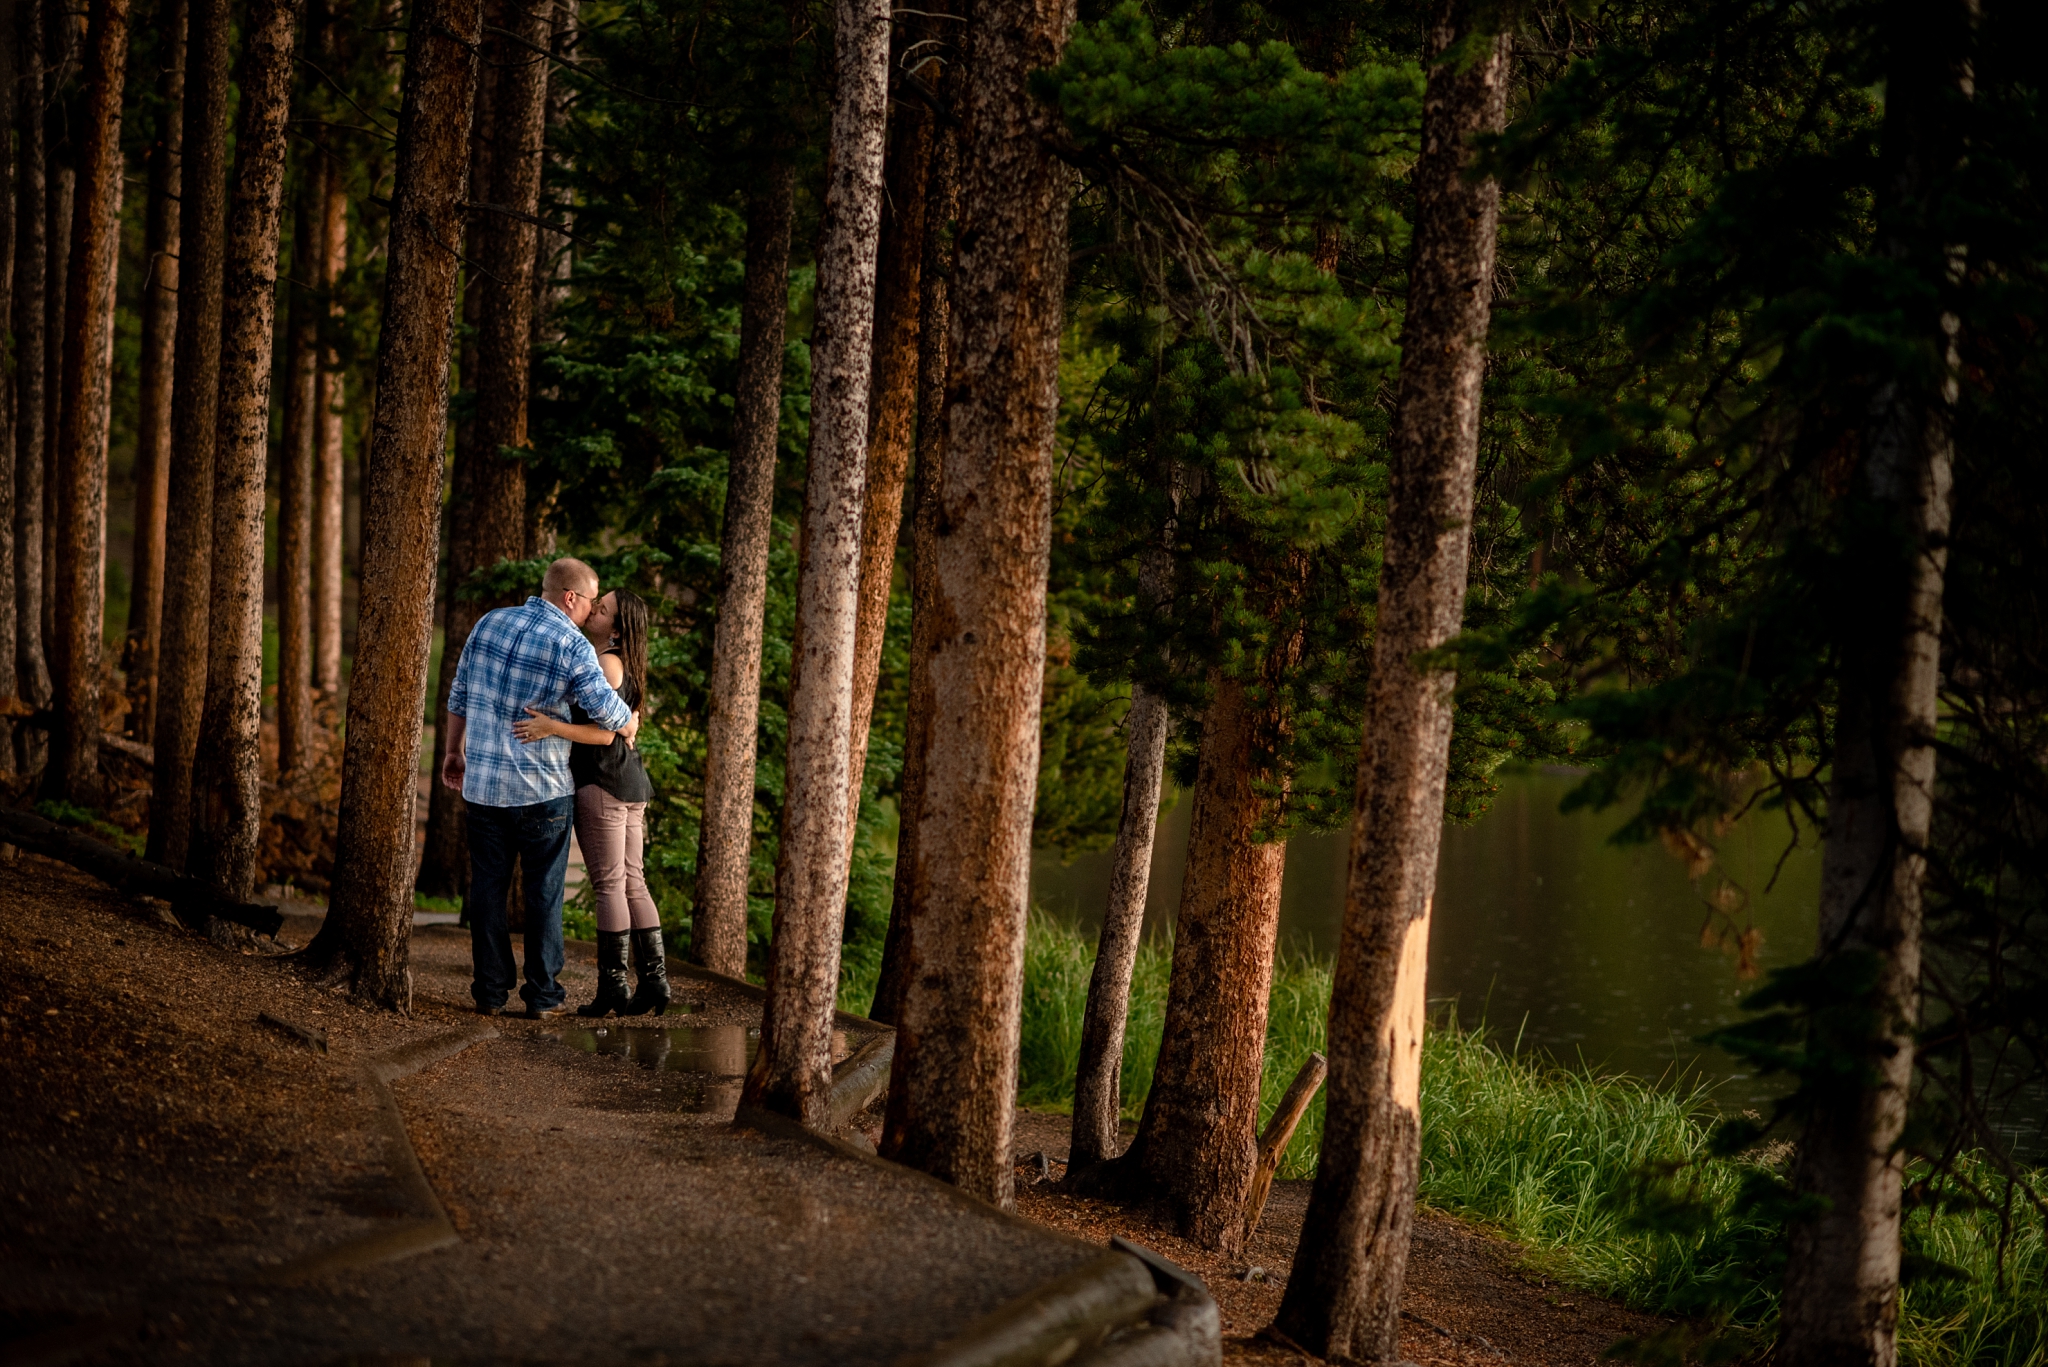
1405,1021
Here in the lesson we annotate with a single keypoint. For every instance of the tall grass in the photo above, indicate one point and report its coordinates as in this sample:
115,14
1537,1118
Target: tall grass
1606,1181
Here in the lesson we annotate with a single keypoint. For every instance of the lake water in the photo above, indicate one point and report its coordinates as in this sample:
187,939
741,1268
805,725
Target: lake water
1543,929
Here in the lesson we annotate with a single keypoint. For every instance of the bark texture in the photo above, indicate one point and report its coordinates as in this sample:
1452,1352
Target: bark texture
63,184
228,767
195,396
88,390
10,684
718,930
934,340
1841,1297
153,404
296,742
892,424
31,281
952,1092
1098,1077
369,921
1197,1142
329,395
444,863
1344,1295
793,1073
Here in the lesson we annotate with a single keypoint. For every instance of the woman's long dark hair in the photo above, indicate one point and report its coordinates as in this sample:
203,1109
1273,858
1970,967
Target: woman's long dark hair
629,625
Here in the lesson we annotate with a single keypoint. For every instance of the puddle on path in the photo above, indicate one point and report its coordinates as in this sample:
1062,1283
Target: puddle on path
722,1051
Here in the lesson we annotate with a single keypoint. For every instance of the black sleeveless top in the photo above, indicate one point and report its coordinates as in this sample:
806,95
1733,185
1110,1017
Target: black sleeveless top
616,768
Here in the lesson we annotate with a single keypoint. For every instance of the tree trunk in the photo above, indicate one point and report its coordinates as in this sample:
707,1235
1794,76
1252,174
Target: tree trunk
952,1092
934,338
553,259
153,416
504,282
195,404
88,391
62,199
369,919
444,863
1841,1299
296,742
892,408
328,398
793,1072
31,284
10,683
1098,1078
228,769
718,929
1198,1140
1344,1295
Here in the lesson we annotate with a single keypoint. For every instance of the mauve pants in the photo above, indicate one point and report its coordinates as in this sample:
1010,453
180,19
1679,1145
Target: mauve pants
612,834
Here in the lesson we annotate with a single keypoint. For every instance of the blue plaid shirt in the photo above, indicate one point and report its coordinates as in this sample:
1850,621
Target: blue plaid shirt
516,658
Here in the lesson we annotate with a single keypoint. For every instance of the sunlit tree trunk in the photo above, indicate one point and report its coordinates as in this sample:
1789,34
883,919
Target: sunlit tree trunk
1198,1139
1344,1295
153,404
892,419
719,922
444,862
793,1074
1841,1301
88,390
934,340
329,397
228,768
952,1091
296,742
369,921
195,404
1098,1078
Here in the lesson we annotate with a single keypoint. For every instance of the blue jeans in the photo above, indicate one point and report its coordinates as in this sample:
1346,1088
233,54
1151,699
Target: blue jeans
537,835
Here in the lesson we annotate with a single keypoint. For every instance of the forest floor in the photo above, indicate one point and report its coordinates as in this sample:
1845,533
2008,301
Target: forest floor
182,1180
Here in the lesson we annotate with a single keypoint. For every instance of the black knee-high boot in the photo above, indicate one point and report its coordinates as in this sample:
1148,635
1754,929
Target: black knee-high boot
612,994
650,961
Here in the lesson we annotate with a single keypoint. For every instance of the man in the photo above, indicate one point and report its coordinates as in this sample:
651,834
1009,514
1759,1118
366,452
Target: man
520,797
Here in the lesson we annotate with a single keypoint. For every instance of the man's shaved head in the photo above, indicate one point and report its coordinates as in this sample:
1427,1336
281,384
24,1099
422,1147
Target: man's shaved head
570,575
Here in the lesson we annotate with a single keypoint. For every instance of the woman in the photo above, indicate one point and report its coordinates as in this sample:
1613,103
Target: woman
612,793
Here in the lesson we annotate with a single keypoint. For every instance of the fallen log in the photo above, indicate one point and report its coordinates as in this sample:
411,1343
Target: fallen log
1280,1129
192,900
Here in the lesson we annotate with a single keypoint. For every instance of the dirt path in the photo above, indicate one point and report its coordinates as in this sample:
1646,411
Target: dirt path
165,1159
181,1182
1469,1301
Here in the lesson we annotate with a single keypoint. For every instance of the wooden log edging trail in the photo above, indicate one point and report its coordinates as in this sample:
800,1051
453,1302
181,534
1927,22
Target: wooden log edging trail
429,1227
1128,1308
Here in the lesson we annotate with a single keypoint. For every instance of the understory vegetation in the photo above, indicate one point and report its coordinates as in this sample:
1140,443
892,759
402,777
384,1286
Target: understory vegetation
1611,1185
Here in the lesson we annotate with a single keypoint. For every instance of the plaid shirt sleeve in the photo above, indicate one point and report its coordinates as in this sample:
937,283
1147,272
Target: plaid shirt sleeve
588,685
